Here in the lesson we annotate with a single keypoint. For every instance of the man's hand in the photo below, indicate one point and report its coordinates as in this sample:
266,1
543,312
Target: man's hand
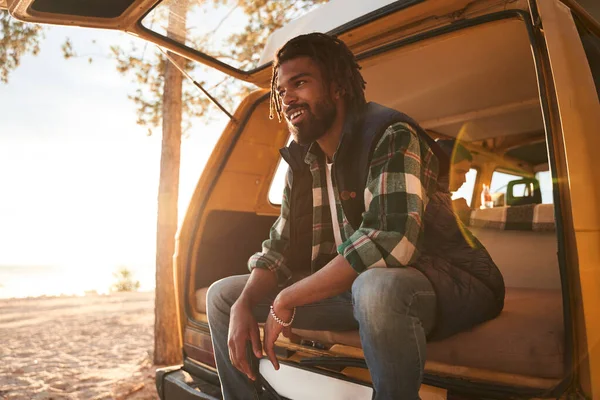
273,329
243,328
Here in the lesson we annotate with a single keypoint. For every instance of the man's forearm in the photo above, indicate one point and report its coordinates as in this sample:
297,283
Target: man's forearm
333,279
261,283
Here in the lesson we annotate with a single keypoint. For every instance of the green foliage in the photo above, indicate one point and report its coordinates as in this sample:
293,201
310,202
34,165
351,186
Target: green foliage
16,40
67,49
124,281
146,68
265,16
146,65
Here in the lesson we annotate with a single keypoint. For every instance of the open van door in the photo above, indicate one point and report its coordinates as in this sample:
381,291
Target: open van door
572,40
176,27
192,29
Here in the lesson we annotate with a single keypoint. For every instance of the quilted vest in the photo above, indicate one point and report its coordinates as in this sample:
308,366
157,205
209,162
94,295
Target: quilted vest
468,285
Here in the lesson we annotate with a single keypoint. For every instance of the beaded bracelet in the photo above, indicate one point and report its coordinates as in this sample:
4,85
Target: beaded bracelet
279,321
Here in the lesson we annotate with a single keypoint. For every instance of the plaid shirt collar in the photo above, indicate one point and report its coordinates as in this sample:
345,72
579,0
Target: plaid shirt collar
315,152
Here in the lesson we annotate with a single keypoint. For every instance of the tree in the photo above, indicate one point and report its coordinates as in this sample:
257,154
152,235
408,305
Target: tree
16,40
124,281
167,347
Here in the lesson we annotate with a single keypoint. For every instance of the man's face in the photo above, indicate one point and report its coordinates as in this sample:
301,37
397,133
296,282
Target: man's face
457,174
306,99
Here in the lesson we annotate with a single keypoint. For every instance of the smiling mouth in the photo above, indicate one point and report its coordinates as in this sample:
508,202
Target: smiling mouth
296,116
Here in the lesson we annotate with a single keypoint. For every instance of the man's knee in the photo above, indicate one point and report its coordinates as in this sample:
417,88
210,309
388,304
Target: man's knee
223,293
381,294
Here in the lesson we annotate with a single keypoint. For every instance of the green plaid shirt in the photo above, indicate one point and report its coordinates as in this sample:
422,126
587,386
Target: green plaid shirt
402,177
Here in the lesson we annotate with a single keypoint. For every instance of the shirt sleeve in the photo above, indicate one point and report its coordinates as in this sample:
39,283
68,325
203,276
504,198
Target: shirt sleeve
274,249
402,176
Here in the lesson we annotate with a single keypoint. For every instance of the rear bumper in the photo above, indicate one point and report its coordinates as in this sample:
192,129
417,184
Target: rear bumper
174,383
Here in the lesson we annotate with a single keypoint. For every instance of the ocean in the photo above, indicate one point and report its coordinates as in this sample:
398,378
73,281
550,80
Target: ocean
50,280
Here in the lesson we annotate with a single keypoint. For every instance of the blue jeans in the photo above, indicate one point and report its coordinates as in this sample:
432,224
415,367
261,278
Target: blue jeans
393,308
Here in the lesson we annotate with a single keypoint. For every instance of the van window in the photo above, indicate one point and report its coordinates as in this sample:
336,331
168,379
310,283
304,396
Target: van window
278,183
545,180
499,184
216,30
591,46
466,190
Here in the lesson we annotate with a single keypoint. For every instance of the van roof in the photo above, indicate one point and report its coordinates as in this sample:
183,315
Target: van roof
328,18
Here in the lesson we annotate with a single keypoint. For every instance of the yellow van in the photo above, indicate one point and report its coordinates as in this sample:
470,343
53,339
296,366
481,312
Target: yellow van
518,82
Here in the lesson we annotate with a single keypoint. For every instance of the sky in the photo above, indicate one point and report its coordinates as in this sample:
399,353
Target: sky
78,177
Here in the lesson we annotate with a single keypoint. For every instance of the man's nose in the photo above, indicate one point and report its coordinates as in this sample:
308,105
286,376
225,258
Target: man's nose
288,98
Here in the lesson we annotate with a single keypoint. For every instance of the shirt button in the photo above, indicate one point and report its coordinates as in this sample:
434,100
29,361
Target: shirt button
346,195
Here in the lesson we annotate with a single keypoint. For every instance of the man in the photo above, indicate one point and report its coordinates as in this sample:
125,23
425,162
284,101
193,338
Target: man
349,250
460,160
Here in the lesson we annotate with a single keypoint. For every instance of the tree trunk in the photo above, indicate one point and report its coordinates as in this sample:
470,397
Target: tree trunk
167,335
167,347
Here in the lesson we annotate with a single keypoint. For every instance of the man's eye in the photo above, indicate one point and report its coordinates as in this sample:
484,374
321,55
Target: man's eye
281,93
300,83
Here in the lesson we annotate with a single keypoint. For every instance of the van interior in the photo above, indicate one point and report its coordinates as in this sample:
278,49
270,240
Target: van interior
477,84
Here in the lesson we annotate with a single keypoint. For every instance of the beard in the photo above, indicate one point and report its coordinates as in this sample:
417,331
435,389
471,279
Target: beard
314,124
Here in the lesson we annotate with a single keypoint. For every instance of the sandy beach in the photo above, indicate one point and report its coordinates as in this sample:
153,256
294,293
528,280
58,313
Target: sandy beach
90,347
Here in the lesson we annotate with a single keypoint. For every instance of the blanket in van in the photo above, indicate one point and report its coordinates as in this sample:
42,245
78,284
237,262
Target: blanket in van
529,217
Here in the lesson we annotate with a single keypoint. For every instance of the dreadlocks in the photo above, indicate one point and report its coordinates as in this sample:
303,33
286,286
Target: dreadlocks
337,64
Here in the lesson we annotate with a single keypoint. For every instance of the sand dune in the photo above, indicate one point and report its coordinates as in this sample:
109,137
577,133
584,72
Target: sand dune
92,347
